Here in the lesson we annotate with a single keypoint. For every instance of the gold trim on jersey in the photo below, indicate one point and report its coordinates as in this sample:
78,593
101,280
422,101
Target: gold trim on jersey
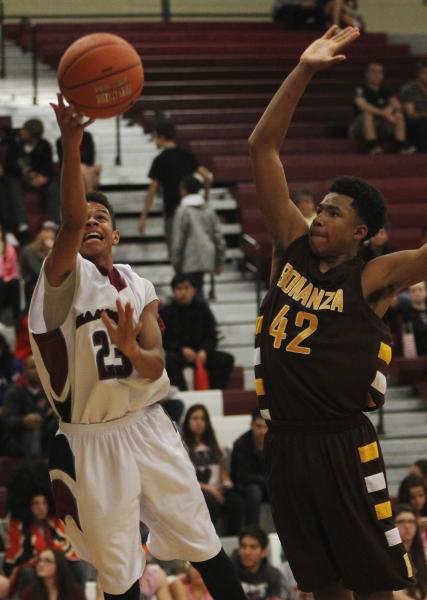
383,510
385,353
258,325
259,387
408,565
368,452
294,285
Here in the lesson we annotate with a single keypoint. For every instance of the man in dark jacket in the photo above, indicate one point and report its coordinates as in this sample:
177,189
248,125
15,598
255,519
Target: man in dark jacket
247,467
190,336
260,581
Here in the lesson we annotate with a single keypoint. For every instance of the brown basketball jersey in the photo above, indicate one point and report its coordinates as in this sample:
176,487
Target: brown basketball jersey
320,350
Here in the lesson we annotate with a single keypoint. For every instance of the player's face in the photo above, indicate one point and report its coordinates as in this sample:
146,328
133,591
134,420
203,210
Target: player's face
259,429
197,422
407,526
99,236
251,553
39,508
336,230
417,497
184,292
46,564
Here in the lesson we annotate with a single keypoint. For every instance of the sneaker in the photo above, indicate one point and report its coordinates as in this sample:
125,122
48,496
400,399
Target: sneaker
408,150
376,150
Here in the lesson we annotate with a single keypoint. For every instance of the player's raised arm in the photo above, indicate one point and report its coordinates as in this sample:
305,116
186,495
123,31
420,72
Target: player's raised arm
61,259
283,219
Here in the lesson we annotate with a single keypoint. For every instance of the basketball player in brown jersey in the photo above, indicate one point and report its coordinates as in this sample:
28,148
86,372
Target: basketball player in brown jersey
321,352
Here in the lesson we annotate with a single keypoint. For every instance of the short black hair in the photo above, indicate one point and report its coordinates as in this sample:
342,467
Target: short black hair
100,198
34,127
165,129
368,202
256,414
181,278
191,184
255,532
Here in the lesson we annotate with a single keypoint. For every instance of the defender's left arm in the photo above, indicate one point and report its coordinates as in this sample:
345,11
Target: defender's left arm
386,275
146,355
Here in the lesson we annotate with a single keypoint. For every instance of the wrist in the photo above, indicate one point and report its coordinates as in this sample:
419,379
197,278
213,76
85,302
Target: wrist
133,352
308,69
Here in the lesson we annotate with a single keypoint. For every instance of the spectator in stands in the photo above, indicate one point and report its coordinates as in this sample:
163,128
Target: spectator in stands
343,13
189,586
377,245
32,165
4,587
260,580
166,172
33,527
247,467
191,336
209,462
9,277
414,313
10,367
378,114
407,525
419,469
198,245
33,255
22,344
29,424
292,592
13,216
91,172
412,492
414,98
306,202
299,15
154,583
54,580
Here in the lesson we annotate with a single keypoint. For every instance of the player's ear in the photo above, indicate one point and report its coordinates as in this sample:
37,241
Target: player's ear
360,232
116,237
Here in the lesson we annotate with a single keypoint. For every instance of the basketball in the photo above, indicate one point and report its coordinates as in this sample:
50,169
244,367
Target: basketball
101,74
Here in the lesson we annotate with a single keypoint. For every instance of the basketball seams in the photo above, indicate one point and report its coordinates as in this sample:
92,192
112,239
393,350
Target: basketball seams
75,87
88,52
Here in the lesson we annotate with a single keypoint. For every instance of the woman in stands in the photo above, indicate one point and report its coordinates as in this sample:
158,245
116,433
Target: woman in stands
189,586
9,277
10,367
212,473
406,522
413,493
54,579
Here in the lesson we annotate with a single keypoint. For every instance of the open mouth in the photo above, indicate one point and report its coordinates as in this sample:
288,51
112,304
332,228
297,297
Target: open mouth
93,235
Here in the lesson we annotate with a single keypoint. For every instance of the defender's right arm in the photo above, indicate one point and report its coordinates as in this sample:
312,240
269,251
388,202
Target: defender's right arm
62,257
282,217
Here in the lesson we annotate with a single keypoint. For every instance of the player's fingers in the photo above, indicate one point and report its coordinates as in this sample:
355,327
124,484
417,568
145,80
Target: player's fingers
120,310
60,100
88,122
108,324
338,59
330,32
129,313
345,37
55,107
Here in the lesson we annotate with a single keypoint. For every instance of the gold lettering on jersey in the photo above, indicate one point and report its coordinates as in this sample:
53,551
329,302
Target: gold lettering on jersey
297,287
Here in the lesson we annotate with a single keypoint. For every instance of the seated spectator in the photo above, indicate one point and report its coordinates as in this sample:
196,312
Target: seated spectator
4,587
407,525
33,255
412,492
31,165
22,344
247,468
259,579
9,277
377,245
379,114
53,580
29,424
13,216
198,245
209,462
10,367
189,586
91,172
419,469
414,98
306,202
292,592
344,13
32,526
299,15
191,336
154,583
414,313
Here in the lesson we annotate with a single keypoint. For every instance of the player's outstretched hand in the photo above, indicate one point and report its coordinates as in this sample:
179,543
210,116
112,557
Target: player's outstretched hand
326,51
70,121
124,334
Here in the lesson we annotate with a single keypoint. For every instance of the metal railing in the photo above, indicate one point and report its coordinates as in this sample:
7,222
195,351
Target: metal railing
254,268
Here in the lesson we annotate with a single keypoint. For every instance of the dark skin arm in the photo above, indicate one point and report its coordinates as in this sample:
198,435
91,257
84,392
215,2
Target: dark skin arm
284,221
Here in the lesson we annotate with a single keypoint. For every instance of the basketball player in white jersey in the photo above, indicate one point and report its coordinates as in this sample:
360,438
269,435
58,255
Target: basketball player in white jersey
117,457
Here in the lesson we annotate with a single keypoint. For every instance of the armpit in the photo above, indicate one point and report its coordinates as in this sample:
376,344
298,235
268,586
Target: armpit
381,295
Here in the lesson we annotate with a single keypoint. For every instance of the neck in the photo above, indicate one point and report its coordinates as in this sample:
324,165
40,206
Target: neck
420,305
102,262
254,568
49,583
327,263
169,144
408,546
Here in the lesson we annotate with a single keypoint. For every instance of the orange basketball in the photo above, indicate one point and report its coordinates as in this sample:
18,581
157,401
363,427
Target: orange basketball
101,74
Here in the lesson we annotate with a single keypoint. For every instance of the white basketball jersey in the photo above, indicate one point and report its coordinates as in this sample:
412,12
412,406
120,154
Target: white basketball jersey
85,377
